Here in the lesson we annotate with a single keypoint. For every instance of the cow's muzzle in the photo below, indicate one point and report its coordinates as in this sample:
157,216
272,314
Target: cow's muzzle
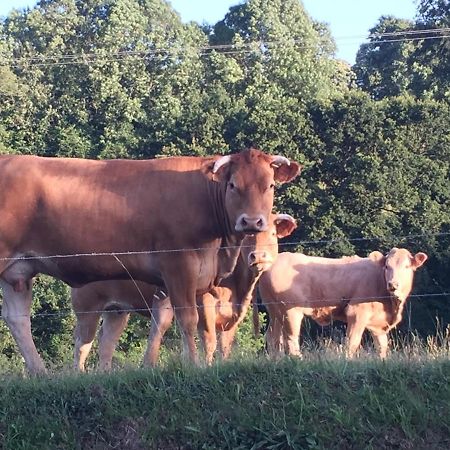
251,225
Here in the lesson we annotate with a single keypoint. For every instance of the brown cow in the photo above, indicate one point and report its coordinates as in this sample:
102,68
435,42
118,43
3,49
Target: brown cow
222,309
160,221
364,292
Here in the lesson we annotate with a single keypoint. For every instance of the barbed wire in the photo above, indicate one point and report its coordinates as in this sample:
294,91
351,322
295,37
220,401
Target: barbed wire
246,47
304,303
230,247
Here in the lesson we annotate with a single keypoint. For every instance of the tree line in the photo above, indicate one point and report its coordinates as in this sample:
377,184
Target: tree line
129,79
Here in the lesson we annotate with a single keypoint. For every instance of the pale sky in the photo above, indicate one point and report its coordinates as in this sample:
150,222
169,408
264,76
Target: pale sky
350,20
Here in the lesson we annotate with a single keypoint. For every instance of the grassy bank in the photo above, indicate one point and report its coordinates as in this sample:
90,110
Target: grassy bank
258,404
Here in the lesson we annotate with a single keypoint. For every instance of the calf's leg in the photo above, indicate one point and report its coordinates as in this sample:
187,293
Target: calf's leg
162,317
291,331
274,333
112,327
84,334
226,341
381,343
207,325
355,330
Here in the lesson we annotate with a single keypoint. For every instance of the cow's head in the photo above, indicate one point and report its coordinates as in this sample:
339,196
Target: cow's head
250,178
261,250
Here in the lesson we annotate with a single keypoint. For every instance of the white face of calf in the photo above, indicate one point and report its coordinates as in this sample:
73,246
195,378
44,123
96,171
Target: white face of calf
399,269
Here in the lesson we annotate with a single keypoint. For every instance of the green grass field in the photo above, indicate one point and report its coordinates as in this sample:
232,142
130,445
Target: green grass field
322,401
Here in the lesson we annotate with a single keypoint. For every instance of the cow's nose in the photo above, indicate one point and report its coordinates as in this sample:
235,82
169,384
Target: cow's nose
249,224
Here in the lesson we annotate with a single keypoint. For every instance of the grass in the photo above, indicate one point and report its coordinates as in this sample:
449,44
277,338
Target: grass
323,401
252,404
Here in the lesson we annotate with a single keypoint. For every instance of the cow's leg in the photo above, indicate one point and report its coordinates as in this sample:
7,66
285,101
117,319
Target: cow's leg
291,331
112,327
16,310
162,317
207,325
188,320
381,343
84,334
182,285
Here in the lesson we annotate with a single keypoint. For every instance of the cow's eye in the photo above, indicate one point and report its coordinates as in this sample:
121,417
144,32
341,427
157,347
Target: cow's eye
232,185
272,186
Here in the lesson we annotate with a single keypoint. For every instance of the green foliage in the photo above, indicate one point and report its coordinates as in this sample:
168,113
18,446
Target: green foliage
405,63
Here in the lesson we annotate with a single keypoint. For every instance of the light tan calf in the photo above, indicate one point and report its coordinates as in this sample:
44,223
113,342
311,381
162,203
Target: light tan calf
364,292
220,310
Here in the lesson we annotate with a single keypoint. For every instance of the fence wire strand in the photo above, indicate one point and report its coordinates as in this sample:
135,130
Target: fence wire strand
115,254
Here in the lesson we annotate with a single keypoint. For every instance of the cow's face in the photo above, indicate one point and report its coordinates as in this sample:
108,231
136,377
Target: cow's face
250,178
261,250
399,268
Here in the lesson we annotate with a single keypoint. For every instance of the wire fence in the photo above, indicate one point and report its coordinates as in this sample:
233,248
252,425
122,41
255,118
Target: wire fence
118,305
389,238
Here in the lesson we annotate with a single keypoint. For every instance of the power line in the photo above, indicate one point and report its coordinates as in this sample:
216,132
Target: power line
86,58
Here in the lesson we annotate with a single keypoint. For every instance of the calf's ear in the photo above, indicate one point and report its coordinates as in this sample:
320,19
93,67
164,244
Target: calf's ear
377,257
285,225
419,259
285,170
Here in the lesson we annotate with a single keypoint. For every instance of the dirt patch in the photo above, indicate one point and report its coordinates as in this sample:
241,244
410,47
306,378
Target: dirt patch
127,434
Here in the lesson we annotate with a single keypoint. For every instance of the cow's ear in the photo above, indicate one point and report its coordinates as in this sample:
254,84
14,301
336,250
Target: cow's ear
285,170
285,225
377,257
219,168
419,259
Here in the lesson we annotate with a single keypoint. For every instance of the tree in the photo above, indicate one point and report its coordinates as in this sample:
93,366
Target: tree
417,62
383,67
286,60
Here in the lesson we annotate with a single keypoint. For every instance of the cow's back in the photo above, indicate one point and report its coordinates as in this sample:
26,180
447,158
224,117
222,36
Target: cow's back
61,206
314,282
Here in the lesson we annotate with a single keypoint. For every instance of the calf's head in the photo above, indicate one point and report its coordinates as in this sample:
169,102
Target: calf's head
399,268
250,178
261,250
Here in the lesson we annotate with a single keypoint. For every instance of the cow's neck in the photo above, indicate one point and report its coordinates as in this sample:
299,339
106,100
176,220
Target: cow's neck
224,227
395,309
230,239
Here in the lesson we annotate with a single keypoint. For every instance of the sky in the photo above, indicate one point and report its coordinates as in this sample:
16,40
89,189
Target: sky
349,20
